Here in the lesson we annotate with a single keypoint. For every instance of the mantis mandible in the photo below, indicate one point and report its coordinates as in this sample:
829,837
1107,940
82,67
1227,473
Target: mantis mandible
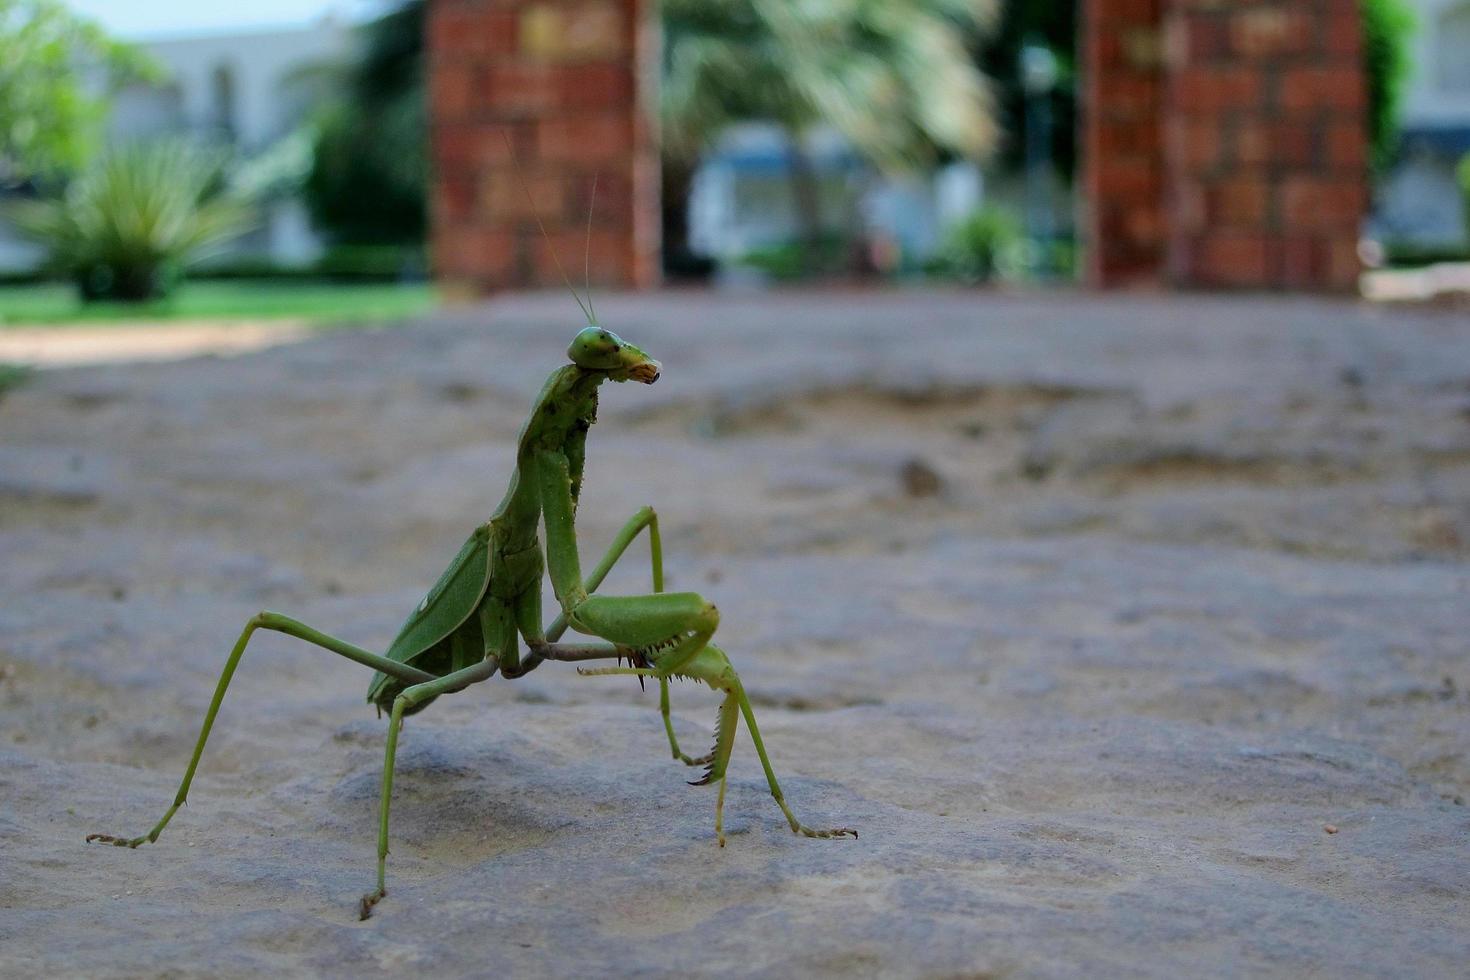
466,629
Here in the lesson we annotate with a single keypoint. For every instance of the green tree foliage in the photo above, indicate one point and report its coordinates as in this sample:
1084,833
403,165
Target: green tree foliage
1053,25
128,225
367,184
1388,26
893,76
55,72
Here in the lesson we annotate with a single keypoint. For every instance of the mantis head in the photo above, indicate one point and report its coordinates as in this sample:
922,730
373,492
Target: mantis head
596,349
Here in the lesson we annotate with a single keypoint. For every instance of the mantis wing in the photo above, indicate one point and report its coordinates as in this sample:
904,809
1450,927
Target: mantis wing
425,638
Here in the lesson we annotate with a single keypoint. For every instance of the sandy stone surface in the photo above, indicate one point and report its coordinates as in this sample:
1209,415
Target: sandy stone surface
1131,633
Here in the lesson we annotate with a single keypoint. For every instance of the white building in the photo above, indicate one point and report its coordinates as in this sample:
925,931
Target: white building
245,89
1419,202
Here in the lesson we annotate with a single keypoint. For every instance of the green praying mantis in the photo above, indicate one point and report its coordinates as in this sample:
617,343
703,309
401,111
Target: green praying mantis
467,627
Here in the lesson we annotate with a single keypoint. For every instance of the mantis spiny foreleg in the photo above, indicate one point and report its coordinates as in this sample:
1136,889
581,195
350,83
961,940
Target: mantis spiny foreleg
646,517
712,667
663,707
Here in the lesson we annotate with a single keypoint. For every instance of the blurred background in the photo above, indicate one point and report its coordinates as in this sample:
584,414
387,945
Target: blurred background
1068,406
330,160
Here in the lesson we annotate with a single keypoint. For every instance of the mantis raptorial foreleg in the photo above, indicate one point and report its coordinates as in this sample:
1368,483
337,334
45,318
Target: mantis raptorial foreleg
280,624
644,518
671,627
663,707
448,684
713,668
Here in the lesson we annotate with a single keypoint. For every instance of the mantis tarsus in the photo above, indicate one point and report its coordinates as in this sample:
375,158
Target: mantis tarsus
467,626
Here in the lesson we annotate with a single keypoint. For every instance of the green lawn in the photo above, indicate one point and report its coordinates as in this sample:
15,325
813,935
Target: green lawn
324,302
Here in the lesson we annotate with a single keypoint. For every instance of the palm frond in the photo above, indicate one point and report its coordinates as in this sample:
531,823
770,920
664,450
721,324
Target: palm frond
893,76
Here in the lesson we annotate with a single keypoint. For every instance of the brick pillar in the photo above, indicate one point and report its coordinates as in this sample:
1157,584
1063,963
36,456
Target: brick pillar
564,81
1265,112
1259,137
1122,144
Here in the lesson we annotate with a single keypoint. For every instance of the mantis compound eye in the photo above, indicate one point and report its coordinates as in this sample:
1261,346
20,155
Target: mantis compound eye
597,349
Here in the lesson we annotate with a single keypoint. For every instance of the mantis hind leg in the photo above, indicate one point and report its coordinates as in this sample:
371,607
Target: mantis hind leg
280,624
417,694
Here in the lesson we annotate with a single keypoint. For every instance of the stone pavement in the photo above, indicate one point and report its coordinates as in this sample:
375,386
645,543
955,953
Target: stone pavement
1129,631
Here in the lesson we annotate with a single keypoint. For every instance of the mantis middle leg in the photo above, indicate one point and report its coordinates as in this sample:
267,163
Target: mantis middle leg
280,624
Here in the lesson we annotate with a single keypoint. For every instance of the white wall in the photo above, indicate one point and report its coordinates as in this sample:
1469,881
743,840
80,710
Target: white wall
1439,87
262,71
248,89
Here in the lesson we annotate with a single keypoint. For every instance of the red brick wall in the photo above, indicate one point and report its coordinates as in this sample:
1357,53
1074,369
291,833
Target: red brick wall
561,80
1122,155
1264,145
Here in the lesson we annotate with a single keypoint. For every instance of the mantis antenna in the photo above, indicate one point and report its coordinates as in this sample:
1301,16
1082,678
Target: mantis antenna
526,188
587,251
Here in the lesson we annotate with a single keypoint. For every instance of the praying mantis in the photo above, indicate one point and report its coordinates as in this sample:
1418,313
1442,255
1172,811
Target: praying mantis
468,626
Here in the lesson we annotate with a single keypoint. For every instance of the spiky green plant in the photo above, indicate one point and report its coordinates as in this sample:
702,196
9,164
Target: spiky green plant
126,228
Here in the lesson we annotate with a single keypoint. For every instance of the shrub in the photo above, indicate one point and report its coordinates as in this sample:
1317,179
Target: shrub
1388,29
788,261
1464,174
12,376
129,224
980,245
369,175
339,263
1410,254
